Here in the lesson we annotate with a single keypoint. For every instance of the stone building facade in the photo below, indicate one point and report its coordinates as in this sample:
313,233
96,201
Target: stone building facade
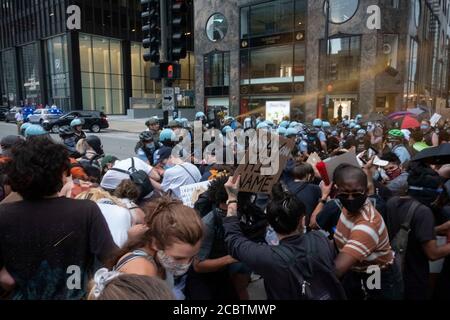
275,51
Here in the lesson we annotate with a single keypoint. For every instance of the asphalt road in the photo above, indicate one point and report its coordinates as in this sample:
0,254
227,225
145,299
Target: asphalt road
117,143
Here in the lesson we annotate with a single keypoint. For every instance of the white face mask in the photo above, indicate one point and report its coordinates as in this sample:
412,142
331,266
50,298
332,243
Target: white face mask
171,266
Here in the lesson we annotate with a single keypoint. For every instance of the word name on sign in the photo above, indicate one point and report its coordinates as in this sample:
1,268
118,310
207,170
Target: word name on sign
253,180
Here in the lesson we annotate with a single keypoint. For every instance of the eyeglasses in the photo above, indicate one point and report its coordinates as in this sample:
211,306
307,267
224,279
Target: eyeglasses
345,195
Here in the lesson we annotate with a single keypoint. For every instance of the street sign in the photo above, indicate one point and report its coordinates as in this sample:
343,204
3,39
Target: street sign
168,103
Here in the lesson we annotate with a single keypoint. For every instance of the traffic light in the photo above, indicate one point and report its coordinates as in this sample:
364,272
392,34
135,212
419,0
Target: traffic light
177,46
151,30
170,70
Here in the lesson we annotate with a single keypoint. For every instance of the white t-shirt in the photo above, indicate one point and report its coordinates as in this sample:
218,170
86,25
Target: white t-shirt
113,178
178,176
118,220
19,116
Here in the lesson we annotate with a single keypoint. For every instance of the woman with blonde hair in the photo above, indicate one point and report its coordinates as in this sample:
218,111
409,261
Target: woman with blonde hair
168,247
117,215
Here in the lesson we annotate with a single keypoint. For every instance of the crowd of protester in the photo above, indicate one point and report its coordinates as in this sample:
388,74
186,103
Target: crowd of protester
76,223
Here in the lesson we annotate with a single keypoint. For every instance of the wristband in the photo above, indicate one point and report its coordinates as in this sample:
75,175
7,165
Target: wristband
231,201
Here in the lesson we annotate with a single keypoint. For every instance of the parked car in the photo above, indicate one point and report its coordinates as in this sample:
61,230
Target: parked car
10,116
94,121
41,115
3,111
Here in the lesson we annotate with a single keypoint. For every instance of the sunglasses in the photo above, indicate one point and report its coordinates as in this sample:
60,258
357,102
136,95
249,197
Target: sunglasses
345,195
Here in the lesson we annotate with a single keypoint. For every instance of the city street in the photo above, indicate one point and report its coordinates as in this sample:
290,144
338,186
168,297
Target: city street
117,143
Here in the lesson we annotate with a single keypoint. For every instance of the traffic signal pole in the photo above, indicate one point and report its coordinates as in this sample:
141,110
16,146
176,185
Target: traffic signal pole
164,47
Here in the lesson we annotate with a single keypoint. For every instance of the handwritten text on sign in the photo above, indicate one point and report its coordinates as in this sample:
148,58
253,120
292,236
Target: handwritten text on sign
253,177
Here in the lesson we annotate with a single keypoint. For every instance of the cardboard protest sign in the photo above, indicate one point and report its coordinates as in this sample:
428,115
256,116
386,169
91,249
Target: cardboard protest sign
347,158
435,119
190,193
254,177
313,160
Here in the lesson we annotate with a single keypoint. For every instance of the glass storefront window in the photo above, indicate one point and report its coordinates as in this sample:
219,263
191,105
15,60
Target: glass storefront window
301,8
86,53
30,73
390,50
144,87
102,74
8,68
245,12
245,67
411,87
102,64
57,72
271,65
217,73
299,63
116,57
271,17
344,60
217,69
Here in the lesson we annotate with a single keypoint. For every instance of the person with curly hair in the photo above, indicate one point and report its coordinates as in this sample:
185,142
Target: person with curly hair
52,234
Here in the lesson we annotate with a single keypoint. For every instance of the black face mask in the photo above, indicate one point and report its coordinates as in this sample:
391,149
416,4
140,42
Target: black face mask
354,205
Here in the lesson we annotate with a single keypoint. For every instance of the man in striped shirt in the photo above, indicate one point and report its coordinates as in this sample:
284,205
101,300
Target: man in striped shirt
363,241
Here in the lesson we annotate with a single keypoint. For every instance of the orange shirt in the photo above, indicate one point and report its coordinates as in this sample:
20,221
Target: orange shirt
364,237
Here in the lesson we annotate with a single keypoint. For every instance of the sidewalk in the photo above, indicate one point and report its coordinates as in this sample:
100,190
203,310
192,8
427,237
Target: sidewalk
125,124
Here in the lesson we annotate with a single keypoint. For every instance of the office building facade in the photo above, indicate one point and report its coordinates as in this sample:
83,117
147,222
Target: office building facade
262,53
244,55
98,67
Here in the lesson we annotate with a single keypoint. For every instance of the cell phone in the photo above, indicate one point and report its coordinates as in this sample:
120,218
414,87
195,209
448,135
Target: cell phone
371,152
383,174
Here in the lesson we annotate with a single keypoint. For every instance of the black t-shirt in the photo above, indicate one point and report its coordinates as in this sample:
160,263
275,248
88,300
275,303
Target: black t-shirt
46,244
417,269
309,194
328,217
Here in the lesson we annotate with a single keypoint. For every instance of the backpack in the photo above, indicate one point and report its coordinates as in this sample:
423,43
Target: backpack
313,141
399,242
315,278
252,218
139,178
91,167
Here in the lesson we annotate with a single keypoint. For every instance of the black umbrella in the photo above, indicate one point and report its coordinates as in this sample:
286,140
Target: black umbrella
435,155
